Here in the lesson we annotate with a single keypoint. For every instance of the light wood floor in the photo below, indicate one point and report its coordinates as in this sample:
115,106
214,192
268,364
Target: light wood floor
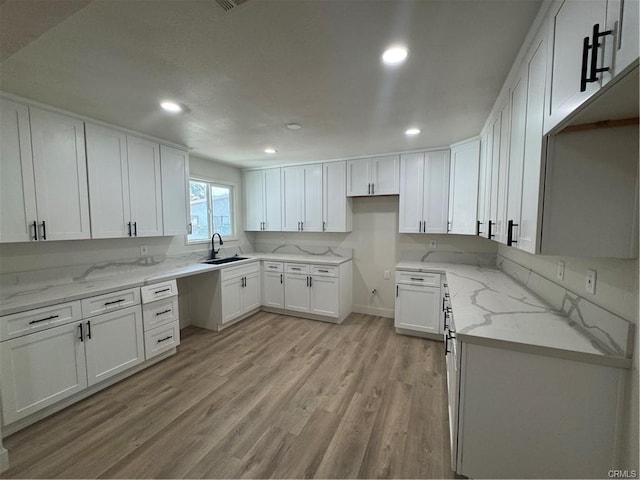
273,396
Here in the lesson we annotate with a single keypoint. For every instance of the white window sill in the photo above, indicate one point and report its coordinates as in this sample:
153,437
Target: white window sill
208,240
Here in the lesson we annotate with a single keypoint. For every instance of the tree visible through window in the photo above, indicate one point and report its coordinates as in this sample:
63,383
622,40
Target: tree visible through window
211,210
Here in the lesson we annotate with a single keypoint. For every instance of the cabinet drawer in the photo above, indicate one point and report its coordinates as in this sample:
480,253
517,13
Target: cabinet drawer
157,291
110,301
234,272
160,313
273,266
18,324
161,339
324,270
417,278
296,268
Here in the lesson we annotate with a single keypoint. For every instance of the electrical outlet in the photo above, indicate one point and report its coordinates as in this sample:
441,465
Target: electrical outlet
590,282
282,240
560,271
144,250
433,244
386,275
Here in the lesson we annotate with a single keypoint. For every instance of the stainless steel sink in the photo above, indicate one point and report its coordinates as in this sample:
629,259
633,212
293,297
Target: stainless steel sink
220,261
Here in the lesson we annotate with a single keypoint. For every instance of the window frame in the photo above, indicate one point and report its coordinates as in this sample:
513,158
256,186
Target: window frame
213,182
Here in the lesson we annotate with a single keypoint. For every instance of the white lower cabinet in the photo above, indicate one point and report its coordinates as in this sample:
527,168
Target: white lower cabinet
324,296
418,305
272,284
240,291
114,343
160,317
40,369
296,292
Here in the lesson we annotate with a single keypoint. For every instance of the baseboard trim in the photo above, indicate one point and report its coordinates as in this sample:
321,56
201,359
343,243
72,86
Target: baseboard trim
375,311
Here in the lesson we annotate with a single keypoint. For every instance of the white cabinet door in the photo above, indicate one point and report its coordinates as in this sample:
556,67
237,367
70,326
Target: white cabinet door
296,292
516,153
463,188
114,342
484,185
436,192
385,175
358,177
336,208
532,176
253,200
174,171
273,289
418,308
312,200
108,181
503,175
411,193
145,186
622,18
325,294
231,299
292,198
272,200
494,138
251,292
40,369
18,217
571,22
60,167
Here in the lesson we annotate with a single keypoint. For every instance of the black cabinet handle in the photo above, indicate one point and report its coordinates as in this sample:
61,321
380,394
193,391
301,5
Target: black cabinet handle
491,234
163,290
324,226
135,229
311,281
510,240
50,317
449,226
44,230
81,333
89,330
585,61
420,226
446,345
307,281
164,339
162,312
415,279
272,266
478,223
129,225
397,291
35,231
190,228
115,301
323,271
373,189
295,268
595,43
280,279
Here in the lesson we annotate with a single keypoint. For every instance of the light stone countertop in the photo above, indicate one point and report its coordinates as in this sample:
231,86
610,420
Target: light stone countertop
22,297
490,308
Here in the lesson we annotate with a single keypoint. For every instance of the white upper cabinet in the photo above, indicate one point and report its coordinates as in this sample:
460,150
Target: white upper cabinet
424,192
108,174
373,176
484,184
60,168
18,217
263,200
463,187
336,207
499,124
623,17
302,198
174,167
145,187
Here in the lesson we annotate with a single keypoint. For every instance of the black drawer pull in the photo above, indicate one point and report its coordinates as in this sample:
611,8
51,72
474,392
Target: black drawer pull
324,271
296,268
272,266
417,279
164,339
115,301
162,312
163,290
51,317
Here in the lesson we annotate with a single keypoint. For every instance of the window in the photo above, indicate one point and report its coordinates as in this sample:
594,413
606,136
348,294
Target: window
211,207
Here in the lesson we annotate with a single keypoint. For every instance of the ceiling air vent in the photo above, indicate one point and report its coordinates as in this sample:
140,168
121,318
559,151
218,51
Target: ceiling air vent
228,5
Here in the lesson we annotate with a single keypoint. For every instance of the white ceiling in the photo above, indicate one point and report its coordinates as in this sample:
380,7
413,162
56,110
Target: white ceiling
245,73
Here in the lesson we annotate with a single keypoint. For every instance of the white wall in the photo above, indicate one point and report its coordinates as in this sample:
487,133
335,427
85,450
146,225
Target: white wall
17,257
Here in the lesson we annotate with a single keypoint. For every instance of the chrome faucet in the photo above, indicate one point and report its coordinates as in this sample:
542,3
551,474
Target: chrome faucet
214,252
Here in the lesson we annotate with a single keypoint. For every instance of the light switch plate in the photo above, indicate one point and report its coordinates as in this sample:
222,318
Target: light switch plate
560,272
386,275
590,282
433,244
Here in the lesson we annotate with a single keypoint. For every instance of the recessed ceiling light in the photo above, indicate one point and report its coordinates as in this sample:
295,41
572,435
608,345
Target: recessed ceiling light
395,55
412,131
294,126
270,151
171,107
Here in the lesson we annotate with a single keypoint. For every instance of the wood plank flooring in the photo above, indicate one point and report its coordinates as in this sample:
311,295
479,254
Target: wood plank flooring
272,397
